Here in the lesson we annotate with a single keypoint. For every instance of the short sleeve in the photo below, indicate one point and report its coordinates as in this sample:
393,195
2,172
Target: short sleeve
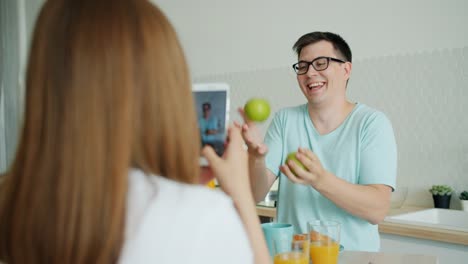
378,152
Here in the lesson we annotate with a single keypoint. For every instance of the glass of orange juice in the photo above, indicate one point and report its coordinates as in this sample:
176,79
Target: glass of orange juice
324,241
291,250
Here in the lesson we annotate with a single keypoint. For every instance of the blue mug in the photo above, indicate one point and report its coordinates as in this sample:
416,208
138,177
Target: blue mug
273,231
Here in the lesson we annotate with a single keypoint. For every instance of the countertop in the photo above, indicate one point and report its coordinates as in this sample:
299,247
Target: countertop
416,231
356,257
423,232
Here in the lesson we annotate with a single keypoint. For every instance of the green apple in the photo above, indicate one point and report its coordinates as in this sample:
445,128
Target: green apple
292,156
257,109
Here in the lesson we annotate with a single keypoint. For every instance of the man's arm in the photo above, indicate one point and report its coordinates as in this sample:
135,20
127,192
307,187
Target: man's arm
370,202
261,178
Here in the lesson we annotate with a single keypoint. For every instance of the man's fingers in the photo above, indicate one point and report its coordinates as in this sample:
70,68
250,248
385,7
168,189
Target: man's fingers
299,172
242,113
308,153
291,176
237,124
248,137
245,131
305,160
244,116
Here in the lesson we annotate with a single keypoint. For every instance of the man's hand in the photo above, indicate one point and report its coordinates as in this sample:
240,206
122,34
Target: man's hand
370,202
312,173
251,135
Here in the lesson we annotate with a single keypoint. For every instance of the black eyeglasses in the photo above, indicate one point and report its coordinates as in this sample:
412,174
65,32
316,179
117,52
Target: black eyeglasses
319,64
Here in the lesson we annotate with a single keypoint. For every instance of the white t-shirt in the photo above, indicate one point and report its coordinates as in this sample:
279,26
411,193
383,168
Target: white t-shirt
172,222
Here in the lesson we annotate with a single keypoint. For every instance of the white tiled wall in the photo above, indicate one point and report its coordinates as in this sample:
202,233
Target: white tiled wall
425,95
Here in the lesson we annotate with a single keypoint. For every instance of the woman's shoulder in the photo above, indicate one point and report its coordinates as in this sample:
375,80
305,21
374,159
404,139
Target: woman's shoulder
163,194
165,187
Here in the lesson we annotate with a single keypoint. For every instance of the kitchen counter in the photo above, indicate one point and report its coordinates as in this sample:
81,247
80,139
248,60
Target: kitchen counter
422,232
356,257
416,231
265,209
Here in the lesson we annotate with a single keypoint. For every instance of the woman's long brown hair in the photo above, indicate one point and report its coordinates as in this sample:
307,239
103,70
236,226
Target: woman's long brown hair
107,89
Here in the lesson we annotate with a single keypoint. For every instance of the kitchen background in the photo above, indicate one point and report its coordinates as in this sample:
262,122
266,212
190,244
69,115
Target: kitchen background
410,61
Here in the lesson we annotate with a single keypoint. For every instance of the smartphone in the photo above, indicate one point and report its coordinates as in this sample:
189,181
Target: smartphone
212,107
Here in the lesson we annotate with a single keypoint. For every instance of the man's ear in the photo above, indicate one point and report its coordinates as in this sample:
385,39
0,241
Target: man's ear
348,66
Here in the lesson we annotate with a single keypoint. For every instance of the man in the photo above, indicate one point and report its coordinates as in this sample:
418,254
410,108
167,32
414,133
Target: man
348,150
209,129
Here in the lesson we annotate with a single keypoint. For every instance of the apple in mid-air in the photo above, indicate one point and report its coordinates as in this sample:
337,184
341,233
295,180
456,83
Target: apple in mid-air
257,109
292,156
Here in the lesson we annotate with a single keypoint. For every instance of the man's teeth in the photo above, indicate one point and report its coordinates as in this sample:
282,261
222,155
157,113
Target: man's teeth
313,85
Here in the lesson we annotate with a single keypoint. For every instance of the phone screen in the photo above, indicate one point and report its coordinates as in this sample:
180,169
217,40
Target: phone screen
212,107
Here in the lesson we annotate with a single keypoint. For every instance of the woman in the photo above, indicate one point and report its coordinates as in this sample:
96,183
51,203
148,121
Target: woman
106,163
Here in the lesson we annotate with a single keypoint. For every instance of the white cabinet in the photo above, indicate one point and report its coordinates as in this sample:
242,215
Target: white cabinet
447,253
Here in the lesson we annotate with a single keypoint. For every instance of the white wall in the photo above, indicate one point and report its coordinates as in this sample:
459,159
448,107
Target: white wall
410,61
12,54
229,36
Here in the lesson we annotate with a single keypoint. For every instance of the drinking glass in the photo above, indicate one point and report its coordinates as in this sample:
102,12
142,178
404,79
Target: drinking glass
324,241
291,250
274,231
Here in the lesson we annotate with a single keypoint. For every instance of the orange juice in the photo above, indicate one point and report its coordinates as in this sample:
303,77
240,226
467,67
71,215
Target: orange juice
324,252
291,258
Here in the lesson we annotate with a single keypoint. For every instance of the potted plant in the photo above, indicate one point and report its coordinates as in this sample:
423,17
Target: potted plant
441,195
464,200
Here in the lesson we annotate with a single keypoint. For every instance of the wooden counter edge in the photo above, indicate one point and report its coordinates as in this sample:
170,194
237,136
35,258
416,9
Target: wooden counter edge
443,235
266,211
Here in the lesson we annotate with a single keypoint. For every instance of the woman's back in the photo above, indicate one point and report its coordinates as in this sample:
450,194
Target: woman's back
172,222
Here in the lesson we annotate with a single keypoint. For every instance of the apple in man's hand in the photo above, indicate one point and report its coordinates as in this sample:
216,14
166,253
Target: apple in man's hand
257,109
292,156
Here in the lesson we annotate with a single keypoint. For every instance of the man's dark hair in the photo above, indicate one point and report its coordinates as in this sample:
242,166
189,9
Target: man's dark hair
339,44
207,105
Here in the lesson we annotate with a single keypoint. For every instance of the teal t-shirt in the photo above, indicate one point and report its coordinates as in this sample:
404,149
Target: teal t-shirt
362,150
212,124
